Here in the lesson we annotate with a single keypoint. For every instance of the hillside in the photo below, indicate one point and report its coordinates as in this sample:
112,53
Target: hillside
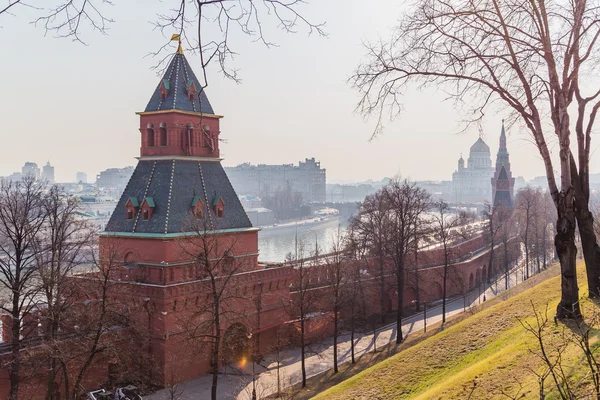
479,358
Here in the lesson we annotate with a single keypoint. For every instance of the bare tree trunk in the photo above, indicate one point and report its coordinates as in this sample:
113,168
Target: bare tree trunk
445,280
506,269
526,242
335,343
15,363
400,291
544,244
382,294
352,332
567,252
302,351
52,333
215,351
374,338
492,241
589,245
418,294
585,223
490,263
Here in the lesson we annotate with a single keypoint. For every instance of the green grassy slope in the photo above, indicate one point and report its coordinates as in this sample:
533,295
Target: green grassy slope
478,358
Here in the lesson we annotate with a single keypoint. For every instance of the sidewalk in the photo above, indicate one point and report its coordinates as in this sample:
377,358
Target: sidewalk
238,385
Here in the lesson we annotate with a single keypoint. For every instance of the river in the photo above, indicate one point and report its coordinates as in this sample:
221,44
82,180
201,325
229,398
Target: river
275,243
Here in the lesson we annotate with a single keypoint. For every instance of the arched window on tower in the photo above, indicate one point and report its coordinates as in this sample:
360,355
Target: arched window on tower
185,140
150,135
163,134
205,136
190,134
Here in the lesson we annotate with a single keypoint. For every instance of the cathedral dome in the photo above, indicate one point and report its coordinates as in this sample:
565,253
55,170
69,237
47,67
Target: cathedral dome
480,147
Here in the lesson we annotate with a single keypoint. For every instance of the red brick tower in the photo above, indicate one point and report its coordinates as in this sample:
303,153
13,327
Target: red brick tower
179,183
503,180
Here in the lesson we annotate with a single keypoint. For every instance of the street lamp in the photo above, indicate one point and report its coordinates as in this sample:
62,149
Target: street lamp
253,379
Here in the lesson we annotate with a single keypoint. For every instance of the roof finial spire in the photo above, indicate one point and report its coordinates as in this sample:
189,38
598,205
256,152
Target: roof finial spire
177,37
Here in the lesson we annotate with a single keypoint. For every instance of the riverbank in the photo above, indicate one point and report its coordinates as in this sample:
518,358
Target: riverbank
275,244
298,224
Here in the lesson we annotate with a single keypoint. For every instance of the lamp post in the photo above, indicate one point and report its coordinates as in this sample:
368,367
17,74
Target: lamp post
253,379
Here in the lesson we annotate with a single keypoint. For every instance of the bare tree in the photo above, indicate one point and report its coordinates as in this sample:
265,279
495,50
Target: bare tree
284,202
175,389
65,245
215,267
491,233
65,18
337,271
445,224
407,204
529,57
281,341
548,217
526,205
95,328
506,221
42,243
304,302
421,230
556,347
22,220
370,230
357,303
207,26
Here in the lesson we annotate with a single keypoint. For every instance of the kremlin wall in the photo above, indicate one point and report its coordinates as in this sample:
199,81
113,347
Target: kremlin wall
179,239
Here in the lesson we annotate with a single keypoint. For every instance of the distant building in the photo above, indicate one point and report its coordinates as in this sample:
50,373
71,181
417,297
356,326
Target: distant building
260,216
48,173
81,177
15,176
437,189
308,179
471,184
31,169
342,193
249,202
520,183
114,177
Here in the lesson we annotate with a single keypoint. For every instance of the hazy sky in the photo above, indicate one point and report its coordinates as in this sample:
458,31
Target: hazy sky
75,105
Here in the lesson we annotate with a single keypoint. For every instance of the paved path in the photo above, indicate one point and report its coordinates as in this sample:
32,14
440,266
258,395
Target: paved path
238,385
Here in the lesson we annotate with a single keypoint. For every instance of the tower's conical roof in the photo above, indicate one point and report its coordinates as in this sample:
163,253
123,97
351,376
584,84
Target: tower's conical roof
177,81
503,175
